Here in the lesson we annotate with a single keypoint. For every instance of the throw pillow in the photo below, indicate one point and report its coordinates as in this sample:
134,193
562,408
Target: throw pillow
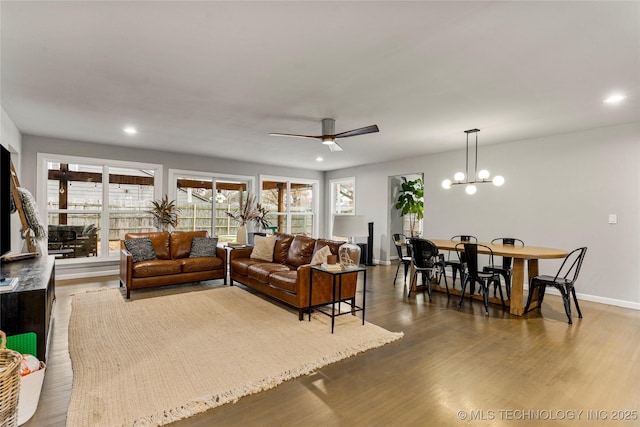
320,257
141,249
263,247
203,247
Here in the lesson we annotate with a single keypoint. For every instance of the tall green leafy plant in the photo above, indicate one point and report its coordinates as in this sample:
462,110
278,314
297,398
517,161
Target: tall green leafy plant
411,201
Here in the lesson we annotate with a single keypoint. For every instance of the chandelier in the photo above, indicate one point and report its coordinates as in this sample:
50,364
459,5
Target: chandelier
480,176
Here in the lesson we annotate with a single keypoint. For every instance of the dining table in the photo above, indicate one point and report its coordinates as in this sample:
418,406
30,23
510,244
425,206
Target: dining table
532,254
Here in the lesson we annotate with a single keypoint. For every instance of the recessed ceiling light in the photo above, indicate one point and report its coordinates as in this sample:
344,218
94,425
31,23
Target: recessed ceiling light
130,130
615,98
319,159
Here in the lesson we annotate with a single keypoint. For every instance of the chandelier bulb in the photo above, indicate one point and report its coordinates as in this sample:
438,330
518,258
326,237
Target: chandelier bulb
483,174
459,176
446,184
498,180
471,189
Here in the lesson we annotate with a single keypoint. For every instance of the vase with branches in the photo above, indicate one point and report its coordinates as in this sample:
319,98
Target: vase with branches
250,212
165,213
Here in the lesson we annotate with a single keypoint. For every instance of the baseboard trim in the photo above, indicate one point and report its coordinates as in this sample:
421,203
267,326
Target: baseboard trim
592,298
599,299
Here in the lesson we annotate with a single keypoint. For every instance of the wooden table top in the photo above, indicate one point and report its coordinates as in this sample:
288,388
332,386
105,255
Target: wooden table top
525,252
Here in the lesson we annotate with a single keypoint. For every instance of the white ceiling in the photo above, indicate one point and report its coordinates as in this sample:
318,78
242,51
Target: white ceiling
215,78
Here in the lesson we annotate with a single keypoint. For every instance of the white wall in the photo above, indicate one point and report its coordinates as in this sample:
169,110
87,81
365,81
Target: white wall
11,139
559,192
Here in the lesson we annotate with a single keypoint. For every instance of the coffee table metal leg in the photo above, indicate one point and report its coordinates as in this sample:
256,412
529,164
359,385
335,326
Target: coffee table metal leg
364,294
333,302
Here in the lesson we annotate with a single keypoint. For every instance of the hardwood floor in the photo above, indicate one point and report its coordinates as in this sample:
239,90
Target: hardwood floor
453,367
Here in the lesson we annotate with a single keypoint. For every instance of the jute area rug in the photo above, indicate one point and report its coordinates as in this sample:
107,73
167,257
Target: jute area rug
157,360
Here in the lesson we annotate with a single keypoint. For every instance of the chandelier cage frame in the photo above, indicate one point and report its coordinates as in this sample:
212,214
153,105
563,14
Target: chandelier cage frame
479,177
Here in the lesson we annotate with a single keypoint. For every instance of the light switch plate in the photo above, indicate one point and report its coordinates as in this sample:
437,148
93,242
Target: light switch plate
613,219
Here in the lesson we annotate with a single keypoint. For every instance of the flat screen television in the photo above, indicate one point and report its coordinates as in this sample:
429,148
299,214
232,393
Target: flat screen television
5,201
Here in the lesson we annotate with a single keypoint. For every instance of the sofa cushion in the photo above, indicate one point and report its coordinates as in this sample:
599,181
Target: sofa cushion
261,271
180,242
320,257
203,247
241,265
334,245
156,267
263,247
300,251
141,249
190,265
283,242
159,239
286,280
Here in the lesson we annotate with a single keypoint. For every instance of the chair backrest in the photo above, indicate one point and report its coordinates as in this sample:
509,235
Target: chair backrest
423,253
464,238
397,238
66,236
511,241
571,265
470,256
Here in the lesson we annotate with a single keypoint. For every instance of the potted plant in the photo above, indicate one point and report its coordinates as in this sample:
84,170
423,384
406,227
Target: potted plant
411,201
165,213
250,212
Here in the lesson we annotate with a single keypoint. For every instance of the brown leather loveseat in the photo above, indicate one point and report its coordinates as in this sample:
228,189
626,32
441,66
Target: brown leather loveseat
172,264
286,278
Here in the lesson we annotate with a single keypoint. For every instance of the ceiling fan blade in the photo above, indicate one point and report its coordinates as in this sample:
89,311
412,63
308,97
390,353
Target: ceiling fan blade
291,135
361,131
334,147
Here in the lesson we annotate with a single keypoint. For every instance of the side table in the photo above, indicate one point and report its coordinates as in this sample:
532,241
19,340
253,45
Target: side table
337,280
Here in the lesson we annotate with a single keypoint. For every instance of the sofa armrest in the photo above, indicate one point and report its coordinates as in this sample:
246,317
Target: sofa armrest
222,254
240,253
126,269
323,285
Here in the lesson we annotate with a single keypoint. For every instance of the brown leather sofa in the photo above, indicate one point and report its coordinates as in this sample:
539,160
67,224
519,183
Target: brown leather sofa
287,277
173,265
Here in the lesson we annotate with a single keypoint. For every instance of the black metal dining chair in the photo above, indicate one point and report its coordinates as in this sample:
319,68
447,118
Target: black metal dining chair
404,255
454,262
505,270
564,281
468,254
428,263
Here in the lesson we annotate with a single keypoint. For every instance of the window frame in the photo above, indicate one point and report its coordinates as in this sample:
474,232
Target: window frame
332,194
315,184
42,177
214,176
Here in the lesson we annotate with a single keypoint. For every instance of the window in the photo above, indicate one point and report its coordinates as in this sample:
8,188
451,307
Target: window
343,199
85,217
292,204
205,198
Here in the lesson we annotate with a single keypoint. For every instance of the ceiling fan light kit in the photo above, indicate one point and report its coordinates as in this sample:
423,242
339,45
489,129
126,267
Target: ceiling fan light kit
329,134
481,177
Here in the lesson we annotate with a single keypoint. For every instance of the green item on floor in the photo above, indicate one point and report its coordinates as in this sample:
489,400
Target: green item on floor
23,343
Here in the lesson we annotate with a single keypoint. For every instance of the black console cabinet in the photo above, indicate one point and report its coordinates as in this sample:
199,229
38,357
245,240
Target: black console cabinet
27,308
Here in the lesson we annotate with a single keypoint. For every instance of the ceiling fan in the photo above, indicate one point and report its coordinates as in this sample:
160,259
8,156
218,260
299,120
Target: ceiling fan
329,136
